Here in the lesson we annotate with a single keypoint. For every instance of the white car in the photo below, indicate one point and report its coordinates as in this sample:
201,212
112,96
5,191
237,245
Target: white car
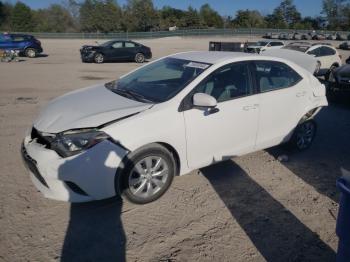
327,55
171,116
264,45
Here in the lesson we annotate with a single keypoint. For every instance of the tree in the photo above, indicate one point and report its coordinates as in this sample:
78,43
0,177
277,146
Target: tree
247,18
140,15
209,17
22,18
337,13
54,19
284,16
192,19
100,16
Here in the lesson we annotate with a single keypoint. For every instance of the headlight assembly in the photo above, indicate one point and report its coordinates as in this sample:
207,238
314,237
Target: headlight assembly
73,142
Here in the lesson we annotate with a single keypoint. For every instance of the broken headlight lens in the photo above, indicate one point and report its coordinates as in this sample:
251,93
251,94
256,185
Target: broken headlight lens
73,142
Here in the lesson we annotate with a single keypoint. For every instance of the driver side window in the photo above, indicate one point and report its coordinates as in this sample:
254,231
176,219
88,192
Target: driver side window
228,82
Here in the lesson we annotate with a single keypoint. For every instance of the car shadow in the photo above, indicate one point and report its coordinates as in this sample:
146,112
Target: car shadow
321,164
275,231
95,230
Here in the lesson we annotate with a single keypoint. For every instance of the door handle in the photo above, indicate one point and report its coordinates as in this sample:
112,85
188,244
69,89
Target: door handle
250,107
300,94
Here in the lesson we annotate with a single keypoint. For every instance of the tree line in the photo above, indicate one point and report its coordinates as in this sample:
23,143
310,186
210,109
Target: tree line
141,15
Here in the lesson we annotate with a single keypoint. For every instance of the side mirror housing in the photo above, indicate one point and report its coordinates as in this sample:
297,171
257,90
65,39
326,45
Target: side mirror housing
204,100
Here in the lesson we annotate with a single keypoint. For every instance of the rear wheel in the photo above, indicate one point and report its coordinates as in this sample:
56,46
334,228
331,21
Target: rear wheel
304,135
148,174
30,52
99,58
139,58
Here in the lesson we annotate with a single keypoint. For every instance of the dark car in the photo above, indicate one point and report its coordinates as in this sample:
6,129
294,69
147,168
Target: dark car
115,50
27,45
345,45
339,78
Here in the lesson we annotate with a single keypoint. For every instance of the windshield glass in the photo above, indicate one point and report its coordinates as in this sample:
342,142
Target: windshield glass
262,43
159,81
105,44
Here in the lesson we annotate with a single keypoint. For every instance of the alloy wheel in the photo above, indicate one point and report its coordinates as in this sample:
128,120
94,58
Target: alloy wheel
148,176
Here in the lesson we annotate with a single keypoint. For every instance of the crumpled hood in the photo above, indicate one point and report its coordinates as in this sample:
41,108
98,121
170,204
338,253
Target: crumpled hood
84,108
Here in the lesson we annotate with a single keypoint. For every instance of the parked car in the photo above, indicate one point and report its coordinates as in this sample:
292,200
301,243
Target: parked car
327,55
115,50
169,117
319,37
261,46
297,36
27,45
345,45
283,36
274,36
332,37
339,78
342,37
306,37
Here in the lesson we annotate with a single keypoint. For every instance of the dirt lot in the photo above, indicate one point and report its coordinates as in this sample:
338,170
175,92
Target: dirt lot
252,208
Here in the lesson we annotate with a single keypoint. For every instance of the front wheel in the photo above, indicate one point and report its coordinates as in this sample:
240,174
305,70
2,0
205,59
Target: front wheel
139,58
148,174
99,58
304,135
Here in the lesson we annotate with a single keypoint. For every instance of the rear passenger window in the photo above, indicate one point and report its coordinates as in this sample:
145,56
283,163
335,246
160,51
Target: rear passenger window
128,44
316,52
274,75
326,51
228,82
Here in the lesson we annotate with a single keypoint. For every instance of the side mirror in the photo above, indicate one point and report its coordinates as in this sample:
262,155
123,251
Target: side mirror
204,100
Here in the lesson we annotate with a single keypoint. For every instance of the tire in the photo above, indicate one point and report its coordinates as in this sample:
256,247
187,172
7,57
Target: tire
148,174
303,136
139,58
99,58
30,52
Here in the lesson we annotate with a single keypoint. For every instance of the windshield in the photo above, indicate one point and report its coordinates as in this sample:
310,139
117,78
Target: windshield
159,81
105,44
262,43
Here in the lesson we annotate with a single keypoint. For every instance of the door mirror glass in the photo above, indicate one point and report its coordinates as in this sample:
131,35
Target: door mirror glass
204,100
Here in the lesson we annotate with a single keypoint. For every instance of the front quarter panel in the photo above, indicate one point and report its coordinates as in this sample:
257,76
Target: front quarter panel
162,124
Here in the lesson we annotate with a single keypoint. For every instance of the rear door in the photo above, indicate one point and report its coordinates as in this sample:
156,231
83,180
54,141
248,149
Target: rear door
117,51
131,50
282,99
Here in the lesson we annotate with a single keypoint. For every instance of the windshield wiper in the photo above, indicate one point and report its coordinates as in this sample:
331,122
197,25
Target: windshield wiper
133,95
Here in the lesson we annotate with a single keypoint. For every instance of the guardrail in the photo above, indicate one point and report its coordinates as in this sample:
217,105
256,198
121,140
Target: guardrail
183,33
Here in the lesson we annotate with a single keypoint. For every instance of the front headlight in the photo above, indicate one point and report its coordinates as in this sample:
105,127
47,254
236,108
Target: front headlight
73,142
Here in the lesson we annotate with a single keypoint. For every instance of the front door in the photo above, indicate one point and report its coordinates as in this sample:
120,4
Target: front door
229,129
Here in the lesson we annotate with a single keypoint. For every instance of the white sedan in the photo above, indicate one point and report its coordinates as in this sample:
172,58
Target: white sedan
174,115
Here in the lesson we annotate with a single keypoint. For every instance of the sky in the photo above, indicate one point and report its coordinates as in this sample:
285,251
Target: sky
224,7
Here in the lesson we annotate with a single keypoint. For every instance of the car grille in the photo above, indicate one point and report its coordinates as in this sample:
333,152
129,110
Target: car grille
32,165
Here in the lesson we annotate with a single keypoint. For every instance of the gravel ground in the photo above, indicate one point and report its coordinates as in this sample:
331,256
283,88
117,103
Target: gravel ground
252,208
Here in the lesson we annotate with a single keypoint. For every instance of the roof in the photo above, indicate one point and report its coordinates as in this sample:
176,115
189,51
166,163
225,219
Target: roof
211,57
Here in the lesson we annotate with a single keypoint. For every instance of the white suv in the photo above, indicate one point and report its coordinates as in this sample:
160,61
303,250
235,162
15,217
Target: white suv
171,116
